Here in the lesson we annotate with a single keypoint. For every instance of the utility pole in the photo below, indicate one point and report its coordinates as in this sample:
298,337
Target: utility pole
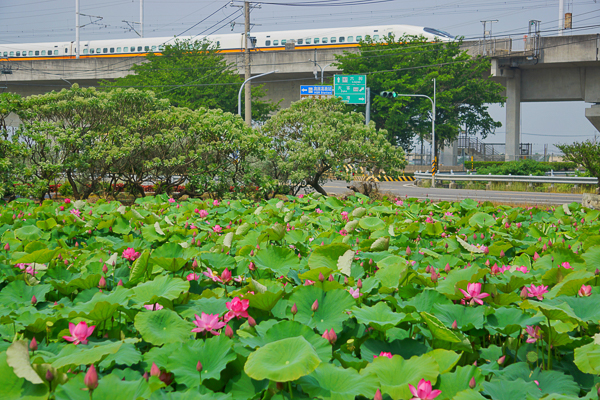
77,50
248,93
561,17
142,18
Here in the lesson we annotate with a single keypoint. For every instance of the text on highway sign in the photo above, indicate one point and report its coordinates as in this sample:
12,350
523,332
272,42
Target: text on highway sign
351,88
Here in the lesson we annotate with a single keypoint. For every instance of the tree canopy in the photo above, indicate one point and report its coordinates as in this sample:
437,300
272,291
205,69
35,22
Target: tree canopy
407,65
314,137
586,154
194,74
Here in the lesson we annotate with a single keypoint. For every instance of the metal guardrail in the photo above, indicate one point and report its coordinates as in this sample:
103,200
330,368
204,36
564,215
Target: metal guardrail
573,180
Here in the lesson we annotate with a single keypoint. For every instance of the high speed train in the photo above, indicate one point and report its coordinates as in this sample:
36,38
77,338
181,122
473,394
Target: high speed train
227,43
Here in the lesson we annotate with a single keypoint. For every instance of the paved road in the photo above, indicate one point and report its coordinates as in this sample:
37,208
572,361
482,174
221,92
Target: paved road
410,190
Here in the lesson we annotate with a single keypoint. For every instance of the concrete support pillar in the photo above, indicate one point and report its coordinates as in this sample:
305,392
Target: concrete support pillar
593,115
513,115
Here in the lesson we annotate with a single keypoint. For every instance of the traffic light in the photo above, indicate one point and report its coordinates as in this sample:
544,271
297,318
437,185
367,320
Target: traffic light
388,95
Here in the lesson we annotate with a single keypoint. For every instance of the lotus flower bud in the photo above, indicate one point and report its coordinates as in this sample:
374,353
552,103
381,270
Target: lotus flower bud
475,363
257,247
378,395
321,277
251,266
194,264
501,253
315,306
447,268
91,378
501,360
251,321
33,300
294,309
102,283
33,346
199,367
7,247
446,246
408,251
330,279
345,280
154,370
251,253
120,282
167,378
330,336
486,250
472,383
454,325
146,376
427,269
49,376
104,269
228,331
359,283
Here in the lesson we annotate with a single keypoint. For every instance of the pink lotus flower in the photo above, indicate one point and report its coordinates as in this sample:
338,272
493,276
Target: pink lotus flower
355,293
399,203
448,214
75,212
79,332
423,391
566,265
343,232
384,354
226,276
28,268
330,336
536,256
153,307
308,282
237,309
67,201
534,334
215,202
537,291
300,196
473,294
344,214
585,290
212,275
171,200
208,323
217,229
130,254
203,213
193,277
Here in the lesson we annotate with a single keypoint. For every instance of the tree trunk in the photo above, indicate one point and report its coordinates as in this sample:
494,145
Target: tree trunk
73,185
315,184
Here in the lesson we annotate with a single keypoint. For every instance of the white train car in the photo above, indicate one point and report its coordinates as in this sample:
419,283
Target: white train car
228,43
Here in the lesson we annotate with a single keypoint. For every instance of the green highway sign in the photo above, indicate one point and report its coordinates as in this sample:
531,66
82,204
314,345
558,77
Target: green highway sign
351,88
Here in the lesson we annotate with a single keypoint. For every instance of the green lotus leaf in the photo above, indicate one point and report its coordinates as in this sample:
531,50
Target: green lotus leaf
335,383
243,387
169,256
391,271
549,382
162,326
18,293
379,316
17,356
466,318
332,309
327,256
211,305
396,373
277,259
28,232
214,354
139,268
405,348
518,389
162,286
42,256
482,220
15,388
84,354
127,354
587,358
282,361
570,285
452,383
372,223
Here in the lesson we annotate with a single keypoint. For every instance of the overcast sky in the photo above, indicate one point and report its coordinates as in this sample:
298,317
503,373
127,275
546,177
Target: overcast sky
26,21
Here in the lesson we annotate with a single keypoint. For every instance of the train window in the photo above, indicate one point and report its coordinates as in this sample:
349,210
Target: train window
66,51
91,51
275,42
139,48
375,37
267,42
299,41
350,39
316,40
18,53
118,49
37,52
98,50
342,39
146,48
55,52
43,52
283,41
367,37
324,40
105,50
161,47
333,40
358,38
112,49
31,52
153,48
307,40
6,54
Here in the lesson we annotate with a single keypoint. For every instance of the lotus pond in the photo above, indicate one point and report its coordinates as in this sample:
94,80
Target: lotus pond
312,297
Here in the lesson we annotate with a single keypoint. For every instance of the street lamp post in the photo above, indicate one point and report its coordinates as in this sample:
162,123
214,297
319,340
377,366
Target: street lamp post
244,85
432,122
322,68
